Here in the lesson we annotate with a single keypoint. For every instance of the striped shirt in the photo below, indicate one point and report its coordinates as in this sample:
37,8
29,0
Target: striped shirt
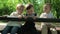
14,23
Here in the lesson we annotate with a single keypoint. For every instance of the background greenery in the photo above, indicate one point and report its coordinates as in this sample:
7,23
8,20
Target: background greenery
8,6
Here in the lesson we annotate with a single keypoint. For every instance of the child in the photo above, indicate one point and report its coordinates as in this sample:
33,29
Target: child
30,11
14,25
29,26
46,14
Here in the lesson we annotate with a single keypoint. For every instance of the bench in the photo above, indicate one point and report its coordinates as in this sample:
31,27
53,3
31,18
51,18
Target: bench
36,20
3,25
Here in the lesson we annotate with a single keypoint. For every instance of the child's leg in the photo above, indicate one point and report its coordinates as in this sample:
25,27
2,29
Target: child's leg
14,29
20,31
6,29
44,29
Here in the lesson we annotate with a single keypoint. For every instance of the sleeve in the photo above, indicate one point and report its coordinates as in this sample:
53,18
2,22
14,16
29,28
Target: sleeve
12,14
43,16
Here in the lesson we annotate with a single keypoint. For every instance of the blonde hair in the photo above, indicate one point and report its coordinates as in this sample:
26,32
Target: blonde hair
19,6
48,5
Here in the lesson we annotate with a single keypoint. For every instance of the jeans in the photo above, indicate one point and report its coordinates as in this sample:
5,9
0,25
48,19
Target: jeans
13,29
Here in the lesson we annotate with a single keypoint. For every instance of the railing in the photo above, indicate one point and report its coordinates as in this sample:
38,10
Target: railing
35,20
54,20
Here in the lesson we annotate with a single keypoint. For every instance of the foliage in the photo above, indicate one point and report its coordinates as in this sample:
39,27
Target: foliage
56,6
8,6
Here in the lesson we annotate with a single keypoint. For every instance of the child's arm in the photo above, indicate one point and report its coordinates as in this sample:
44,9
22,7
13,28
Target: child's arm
12,14
15,15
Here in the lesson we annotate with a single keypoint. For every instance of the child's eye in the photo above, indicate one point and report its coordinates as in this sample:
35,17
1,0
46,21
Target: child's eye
45,8
21,9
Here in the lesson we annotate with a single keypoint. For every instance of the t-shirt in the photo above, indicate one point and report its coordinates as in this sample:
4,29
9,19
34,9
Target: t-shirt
14,23
31,15
45,15
30,24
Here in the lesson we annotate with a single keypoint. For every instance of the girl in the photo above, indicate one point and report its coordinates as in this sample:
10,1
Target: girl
14,26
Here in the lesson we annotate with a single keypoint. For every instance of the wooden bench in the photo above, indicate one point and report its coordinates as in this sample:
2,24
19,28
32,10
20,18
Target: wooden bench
2,26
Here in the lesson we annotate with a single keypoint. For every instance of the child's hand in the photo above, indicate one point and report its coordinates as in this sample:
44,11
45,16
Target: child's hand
20,16
26,17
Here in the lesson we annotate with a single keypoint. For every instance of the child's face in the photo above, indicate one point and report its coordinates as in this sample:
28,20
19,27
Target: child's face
20,10
46,8
30,11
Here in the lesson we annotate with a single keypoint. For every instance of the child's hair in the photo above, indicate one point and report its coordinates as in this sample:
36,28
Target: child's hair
29,6
48,4
19,6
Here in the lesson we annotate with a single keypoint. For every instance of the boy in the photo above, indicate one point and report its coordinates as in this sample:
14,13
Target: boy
46,14
14,25
30,11
29,26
